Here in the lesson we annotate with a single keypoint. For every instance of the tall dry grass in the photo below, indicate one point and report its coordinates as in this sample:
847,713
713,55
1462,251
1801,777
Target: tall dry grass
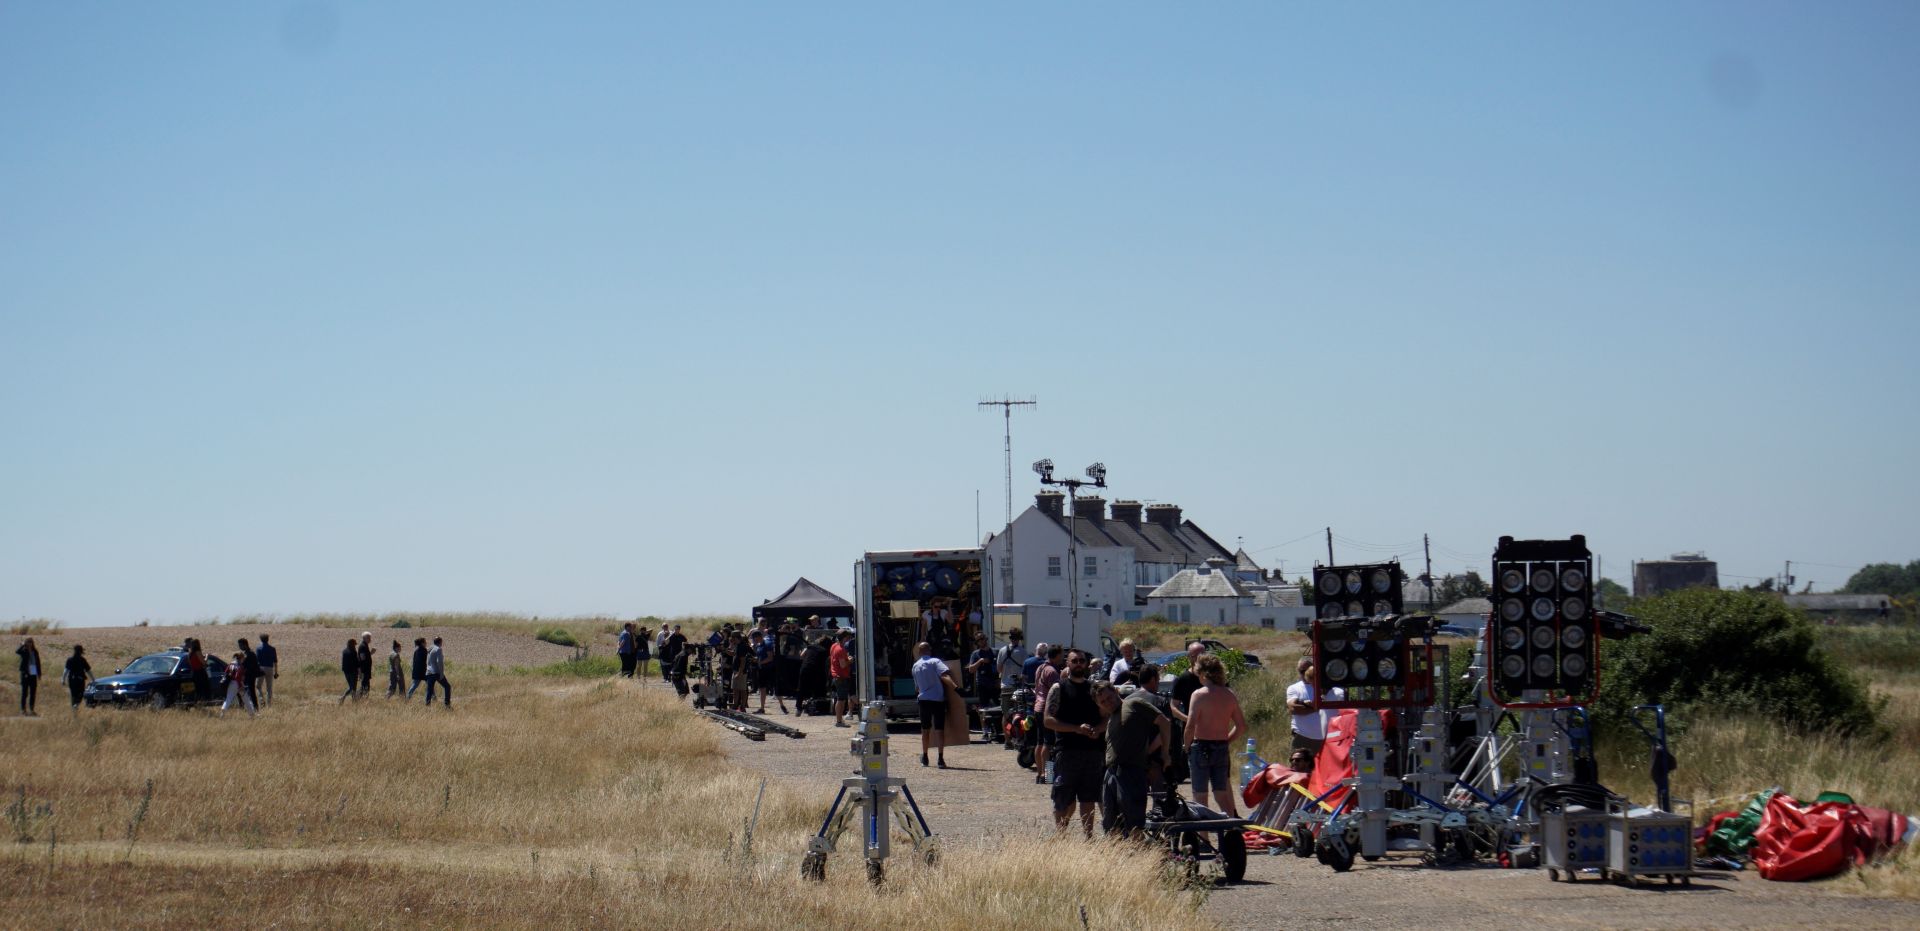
537,801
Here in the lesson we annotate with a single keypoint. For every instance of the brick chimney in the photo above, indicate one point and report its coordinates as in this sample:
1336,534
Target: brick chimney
1051,503
1091,508
1166,515
1127,512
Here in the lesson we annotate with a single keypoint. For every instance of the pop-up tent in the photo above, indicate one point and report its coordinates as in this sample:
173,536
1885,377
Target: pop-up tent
802,600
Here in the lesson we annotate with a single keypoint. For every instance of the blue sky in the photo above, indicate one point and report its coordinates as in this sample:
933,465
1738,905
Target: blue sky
630,308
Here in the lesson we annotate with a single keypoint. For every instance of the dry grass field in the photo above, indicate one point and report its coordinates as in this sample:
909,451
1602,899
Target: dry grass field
548,796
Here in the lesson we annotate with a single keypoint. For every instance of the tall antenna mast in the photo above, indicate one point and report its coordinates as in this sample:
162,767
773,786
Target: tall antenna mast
1007,403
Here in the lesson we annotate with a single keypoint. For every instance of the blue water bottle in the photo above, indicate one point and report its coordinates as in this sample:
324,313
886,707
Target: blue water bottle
1251,765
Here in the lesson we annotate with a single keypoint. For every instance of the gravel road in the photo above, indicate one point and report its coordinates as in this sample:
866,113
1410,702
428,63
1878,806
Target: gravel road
988,795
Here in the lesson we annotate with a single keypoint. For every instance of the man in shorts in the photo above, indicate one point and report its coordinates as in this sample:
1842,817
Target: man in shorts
931,679
1074,716
840,670
1214,722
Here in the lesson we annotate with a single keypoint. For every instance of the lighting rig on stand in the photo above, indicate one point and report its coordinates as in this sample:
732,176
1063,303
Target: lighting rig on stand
1370,656
1538,662
1096,478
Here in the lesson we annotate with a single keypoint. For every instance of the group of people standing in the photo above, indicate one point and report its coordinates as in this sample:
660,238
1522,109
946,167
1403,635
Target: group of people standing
429,666
1102,751
745,661
246,671
76,674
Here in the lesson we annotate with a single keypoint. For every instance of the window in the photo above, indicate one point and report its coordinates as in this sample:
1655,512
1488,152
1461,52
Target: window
1223,615
1055,603
1090,566
1053,568
1186,613
1267,623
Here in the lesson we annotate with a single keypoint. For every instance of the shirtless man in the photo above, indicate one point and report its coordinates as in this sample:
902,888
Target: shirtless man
1214,722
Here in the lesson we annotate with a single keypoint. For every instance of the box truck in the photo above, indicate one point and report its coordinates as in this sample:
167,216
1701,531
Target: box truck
903,598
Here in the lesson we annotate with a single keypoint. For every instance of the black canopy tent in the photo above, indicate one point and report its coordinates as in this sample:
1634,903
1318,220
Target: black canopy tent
802,600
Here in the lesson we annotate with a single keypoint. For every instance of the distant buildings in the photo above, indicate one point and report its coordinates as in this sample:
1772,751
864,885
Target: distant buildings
1127,556
1684,570
1845,609
1223,593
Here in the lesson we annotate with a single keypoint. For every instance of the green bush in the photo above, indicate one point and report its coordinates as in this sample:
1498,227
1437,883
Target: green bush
1234,661
1157,633
1724,651
585,667
559,635
402,623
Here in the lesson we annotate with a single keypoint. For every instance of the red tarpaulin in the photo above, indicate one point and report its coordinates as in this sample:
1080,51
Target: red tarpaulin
1796,843
1335,761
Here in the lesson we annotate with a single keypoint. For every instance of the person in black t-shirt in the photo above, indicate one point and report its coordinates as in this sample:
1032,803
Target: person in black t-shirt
79,673
365,657
1079,722
1187,683
350,667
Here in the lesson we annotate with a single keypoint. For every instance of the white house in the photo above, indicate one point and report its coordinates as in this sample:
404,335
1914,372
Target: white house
1123,555
1223,593
1469,613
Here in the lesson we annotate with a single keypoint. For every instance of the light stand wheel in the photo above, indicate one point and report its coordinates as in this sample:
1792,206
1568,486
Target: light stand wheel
876,872
813,867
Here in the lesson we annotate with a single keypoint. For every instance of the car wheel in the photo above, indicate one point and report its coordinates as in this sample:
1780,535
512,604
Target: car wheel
160,701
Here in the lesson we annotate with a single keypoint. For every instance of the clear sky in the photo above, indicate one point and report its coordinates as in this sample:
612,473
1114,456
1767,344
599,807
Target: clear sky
633,308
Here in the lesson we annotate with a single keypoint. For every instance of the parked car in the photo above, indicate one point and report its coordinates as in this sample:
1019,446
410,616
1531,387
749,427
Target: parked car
1215,646
157,680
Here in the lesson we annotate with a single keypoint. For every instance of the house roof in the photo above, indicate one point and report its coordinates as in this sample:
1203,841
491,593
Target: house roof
1243,561
1182,544
1413,591
1835,602
1468,606
1280,596
1195,583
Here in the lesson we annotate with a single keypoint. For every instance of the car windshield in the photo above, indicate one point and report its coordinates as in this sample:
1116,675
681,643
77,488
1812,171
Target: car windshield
158,664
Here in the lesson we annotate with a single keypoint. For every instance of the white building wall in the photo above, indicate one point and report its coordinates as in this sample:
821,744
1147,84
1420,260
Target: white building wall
1036,537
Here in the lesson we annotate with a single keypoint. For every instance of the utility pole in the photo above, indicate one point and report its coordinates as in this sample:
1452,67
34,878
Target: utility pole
1330,546
1426,547
1006,404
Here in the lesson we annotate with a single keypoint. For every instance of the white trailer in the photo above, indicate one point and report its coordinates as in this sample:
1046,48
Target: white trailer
903,598
1054,624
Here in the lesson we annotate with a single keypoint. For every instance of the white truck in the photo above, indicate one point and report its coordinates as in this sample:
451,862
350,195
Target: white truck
903,598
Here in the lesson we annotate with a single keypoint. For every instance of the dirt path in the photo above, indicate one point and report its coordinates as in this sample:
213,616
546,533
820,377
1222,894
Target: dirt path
988,795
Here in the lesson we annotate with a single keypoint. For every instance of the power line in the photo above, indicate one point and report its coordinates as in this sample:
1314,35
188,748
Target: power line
1308,535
